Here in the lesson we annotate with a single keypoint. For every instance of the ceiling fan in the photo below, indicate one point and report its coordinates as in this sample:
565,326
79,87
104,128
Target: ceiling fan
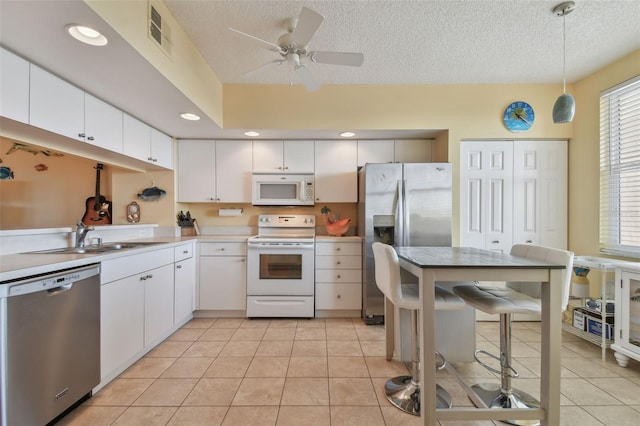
292,47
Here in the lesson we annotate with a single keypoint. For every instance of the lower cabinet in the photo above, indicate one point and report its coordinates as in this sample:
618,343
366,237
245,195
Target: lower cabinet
158,303
627,315
185,284
222,281
338,276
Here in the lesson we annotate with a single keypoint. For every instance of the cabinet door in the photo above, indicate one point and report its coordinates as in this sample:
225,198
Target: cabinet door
628,321
161,151
234,166
196,171
299,156
121,323
267,156
158,303
412,150
375,151
486,191
540,193
136,138
185,284
103,124
55,105
223,283
336,165
14,87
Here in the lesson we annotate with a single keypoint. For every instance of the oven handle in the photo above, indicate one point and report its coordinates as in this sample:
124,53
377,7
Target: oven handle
280,246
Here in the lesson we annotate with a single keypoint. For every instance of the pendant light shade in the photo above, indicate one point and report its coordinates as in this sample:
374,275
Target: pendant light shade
565,106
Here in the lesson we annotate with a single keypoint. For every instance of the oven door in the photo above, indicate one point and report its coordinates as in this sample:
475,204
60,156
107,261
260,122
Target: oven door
280,270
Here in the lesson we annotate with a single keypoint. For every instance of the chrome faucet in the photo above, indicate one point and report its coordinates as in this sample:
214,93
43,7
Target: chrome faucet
81,233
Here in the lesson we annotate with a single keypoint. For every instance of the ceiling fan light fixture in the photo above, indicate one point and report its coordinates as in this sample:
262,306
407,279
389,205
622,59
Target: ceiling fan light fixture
565,106
86,35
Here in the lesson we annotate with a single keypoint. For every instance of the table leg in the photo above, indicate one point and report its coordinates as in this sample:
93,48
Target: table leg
551,294
427,347
389,327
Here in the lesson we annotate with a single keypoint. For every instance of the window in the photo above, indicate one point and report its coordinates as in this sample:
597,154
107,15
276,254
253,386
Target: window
620,169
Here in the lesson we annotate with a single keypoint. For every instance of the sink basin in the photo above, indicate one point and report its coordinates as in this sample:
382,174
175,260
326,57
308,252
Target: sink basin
102,248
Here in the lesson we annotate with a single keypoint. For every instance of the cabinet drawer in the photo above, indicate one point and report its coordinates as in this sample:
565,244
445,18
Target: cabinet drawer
338,296
126,266
335,248
223,249
338,262
339,276
183,252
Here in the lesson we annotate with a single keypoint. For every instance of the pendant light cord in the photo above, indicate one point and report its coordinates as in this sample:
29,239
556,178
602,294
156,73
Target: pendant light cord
564,54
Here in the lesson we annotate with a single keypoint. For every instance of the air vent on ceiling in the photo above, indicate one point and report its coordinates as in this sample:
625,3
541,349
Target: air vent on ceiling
159,31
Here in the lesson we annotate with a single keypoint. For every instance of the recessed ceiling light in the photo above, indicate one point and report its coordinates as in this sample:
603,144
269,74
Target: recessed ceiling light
86,35
347,134
251,133
190,116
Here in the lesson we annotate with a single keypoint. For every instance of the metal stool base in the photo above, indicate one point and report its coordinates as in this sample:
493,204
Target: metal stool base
404,394
493,396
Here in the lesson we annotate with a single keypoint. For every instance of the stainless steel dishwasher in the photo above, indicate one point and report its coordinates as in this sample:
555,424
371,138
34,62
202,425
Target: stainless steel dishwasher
49,344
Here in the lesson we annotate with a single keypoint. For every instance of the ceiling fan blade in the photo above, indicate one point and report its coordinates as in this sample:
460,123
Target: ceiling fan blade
337,58
276,61
263,43
308,23
304,75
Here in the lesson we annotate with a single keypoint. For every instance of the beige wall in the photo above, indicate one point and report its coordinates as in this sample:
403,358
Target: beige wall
584,152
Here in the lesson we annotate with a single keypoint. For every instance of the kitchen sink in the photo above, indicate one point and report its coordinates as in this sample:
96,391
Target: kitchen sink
94,249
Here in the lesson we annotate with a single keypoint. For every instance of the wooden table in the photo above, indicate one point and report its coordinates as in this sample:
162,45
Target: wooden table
433,264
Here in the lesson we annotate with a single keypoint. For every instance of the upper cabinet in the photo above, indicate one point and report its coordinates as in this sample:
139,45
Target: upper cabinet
146,143
336,171
214,171
14,87
394,151
290,156
56,105
102,124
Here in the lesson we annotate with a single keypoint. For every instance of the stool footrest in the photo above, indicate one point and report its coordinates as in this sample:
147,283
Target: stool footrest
504,365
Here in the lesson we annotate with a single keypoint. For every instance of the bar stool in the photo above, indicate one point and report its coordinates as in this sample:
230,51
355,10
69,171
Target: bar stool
506,301
404,391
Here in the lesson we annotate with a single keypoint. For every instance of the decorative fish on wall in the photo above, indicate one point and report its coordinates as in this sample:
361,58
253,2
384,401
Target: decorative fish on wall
6,173
152,194
22,147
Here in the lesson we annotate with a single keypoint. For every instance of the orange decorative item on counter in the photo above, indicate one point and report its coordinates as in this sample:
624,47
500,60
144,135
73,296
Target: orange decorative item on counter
334,227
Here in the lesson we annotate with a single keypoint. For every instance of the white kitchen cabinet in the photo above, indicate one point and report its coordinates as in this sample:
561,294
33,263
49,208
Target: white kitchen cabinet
102,124
222,283
290,156
55,105
540,193
412,150
375,151
196,171
336,171
185,283
486,194
338,277
158,303
121,324
14,87
627,315
146,143
234,167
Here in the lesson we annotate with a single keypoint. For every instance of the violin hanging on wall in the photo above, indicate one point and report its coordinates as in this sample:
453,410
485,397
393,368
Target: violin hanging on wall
97,208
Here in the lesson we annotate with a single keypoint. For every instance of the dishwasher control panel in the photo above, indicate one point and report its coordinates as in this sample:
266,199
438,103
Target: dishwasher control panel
52,280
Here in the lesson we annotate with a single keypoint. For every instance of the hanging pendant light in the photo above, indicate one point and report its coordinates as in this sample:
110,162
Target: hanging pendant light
565,106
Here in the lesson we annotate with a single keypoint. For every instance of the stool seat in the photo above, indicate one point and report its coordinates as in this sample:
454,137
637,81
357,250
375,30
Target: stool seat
497,300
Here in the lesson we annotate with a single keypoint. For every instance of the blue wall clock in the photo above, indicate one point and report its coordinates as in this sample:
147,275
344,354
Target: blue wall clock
519,116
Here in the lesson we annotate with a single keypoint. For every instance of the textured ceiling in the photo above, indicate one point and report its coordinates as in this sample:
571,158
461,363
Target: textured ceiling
418,42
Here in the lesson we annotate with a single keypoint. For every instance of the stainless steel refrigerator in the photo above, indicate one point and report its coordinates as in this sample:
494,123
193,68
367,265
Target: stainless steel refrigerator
402,204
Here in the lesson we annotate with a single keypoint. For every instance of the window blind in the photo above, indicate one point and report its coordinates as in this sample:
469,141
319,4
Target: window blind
620,169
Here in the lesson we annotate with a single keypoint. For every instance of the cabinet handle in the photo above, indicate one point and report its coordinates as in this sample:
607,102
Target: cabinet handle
150,276
339,276
81,135
178,266
91,138
339,296
279,167
155,160
286,168
149,158
495,242
222,249
338,262
243,260
211,198
529,241
185,252
338,249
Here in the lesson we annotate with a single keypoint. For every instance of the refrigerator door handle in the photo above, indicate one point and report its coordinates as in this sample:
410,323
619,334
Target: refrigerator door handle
399,213
406,226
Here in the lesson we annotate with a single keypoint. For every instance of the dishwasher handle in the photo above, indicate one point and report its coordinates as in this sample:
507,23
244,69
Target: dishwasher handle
60,289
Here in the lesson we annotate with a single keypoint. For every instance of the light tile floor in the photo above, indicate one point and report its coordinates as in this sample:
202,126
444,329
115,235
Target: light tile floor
330,372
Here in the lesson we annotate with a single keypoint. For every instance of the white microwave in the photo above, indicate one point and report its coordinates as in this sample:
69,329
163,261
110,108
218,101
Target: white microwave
282,189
